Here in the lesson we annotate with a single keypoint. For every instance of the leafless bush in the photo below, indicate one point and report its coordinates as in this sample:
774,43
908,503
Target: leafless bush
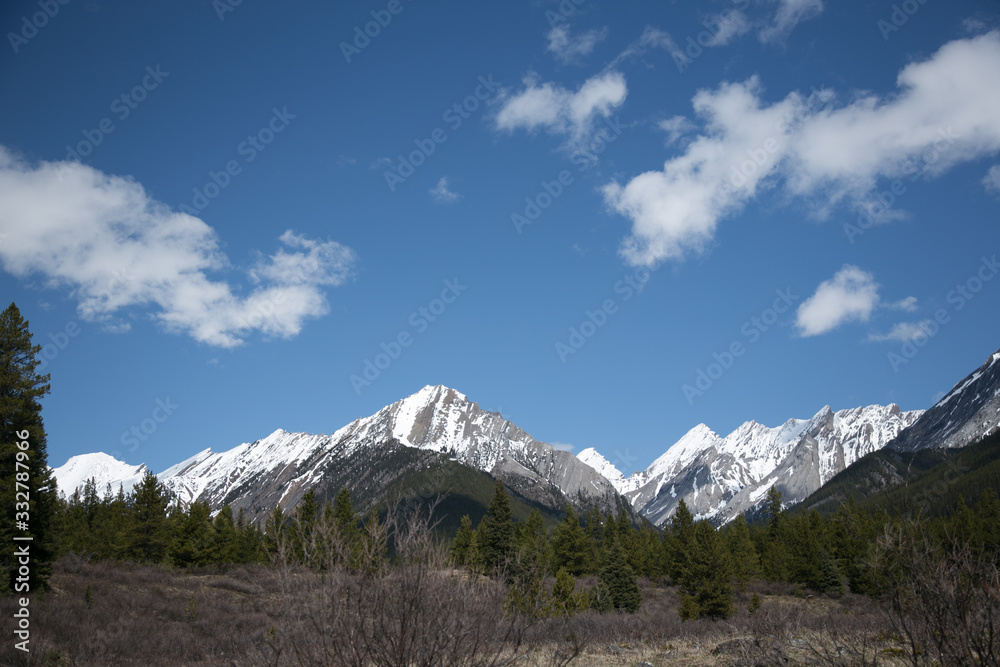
416,612
942,601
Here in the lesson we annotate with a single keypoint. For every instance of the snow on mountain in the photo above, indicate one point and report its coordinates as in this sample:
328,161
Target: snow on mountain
591,457
967,413
282,466
719,478
104,469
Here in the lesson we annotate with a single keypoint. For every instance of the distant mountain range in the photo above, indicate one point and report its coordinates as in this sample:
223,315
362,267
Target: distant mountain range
438,441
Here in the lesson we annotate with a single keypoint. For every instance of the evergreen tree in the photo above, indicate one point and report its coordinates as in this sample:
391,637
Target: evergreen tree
496,531
829,579
618,580
746,562
565,600
27,489
678,539
988,520
304,543
533,544
651,548
705,578
571,548
461,545
192,544
224,536
600,597
249,542
148,535
774,512
345,524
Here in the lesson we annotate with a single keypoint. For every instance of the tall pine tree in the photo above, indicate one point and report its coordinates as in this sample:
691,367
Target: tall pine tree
496,531
27,488
148,533
571,546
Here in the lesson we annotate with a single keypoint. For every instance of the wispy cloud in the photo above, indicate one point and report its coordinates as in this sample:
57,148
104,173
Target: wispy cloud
568,48
992,180
116,249
789,14
904,331
651,38
442,193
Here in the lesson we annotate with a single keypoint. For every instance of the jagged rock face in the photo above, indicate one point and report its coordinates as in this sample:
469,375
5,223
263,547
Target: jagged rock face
369,454
969,412
719,478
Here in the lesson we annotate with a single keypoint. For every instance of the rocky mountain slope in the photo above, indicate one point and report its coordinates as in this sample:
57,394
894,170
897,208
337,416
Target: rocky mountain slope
720,478
969,412
372,453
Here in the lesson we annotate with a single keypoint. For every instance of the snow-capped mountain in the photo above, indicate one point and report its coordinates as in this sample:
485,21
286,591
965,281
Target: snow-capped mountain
605,468
969,412
108,472
719,478
372,452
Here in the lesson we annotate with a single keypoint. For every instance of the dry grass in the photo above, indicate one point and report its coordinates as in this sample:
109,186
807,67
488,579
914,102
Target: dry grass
143,615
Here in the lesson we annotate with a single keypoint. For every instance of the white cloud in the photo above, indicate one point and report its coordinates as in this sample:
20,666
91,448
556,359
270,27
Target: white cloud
790,13
909,304
114,248
944,113
726,26
904,331
675,127
992,180
651,38
567,48
441,193
561,111
851,294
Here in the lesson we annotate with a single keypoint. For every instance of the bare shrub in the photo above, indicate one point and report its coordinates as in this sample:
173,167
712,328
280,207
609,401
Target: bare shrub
417,612
942,601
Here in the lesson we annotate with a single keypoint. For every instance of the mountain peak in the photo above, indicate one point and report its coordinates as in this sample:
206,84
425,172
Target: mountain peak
103,468
595,460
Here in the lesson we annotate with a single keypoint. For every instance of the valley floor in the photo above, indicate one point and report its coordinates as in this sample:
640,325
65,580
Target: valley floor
120,614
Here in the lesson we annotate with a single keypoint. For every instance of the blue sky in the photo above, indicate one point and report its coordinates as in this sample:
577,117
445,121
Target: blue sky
619,219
